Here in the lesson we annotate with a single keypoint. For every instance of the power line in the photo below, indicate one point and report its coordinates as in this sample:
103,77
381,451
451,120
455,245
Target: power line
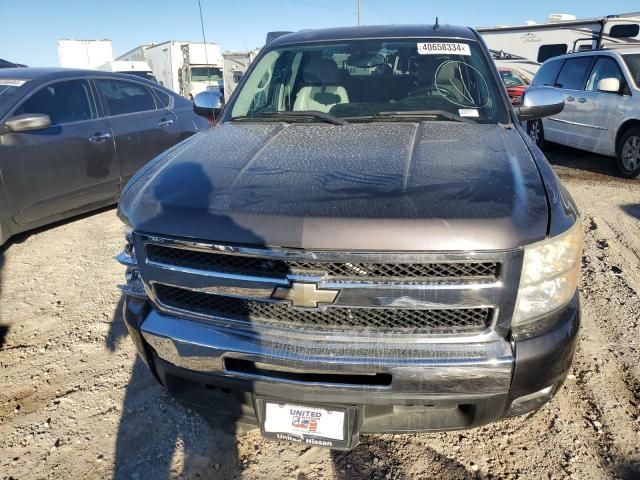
381,12
204,41
324,7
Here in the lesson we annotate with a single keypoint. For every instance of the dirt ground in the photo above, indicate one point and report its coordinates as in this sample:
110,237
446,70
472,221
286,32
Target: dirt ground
75,402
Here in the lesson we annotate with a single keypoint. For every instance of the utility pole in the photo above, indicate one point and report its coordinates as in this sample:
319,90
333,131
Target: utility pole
358,13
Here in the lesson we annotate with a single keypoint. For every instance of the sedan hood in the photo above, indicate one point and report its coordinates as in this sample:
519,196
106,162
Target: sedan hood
374,186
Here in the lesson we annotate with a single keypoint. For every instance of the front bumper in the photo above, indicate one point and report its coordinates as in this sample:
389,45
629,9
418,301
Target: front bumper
393,384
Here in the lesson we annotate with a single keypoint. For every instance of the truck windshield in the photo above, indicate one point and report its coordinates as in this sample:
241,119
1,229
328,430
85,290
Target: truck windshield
633,63
204,74
367,80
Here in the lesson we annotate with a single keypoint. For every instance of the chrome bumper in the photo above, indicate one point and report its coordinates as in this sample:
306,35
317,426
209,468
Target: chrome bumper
418,369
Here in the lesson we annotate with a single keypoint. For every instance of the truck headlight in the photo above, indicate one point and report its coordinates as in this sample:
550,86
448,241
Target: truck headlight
550,274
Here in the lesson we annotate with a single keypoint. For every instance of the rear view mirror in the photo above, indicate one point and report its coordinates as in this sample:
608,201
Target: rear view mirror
27,122
540,102
365,60
208,104
609,85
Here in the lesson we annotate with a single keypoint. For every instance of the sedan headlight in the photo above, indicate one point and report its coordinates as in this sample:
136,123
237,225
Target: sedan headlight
550,275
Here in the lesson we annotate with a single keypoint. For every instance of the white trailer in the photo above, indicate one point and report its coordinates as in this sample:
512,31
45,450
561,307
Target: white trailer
186,68
132,67
528,46
84,53
235,65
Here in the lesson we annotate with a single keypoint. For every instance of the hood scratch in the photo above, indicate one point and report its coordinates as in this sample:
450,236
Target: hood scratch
257,153
412,151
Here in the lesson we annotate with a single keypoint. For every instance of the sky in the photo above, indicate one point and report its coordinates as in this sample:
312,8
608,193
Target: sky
30,29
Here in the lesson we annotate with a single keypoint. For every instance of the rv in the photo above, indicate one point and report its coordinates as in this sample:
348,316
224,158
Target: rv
131,67
528,46
84,53
187,68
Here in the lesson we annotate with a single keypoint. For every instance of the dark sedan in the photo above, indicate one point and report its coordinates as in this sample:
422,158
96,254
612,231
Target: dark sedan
70,140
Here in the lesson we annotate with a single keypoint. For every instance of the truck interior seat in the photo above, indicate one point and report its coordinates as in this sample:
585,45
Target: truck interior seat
321,90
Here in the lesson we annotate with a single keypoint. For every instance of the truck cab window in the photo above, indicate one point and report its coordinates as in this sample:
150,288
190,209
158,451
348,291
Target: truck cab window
204,74
64,102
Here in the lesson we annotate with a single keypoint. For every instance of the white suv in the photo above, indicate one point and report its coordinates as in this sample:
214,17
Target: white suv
601,89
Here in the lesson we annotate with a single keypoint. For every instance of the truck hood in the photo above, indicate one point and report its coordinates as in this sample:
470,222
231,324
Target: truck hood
374,186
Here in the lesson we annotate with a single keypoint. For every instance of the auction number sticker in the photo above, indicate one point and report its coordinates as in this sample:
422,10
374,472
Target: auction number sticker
439,48
10,82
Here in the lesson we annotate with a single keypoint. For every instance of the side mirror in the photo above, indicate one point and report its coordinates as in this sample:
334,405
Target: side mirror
208,104
609,85
27,122
540,102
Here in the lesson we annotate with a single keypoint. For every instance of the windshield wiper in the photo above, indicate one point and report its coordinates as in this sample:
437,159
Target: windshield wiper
403,114
325,117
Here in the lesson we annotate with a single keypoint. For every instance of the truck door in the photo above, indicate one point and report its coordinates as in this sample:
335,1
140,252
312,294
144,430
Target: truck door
67,167
142,127
595,110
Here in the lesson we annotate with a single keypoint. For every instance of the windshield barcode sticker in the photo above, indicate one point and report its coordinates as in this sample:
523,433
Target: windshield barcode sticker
9,82
440,48
468,112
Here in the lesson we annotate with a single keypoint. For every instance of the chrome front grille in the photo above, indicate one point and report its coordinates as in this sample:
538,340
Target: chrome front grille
275,268
448,293
396,320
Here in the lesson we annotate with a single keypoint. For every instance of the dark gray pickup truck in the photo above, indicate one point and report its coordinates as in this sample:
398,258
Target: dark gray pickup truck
366,242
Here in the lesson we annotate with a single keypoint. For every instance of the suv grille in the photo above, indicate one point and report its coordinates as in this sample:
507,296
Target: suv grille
273,268
400,320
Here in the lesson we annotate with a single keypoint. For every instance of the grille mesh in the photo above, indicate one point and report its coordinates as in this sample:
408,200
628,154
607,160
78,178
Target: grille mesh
266,267
401,320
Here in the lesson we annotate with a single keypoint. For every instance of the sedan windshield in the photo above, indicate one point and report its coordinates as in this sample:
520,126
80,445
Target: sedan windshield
633,62
372,80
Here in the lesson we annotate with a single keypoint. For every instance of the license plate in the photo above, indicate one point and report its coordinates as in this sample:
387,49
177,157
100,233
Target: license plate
321,426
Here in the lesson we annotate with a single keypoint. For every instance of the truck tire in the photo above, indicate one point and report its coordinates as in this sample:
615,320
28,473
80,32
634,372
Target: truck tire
536,132
629,153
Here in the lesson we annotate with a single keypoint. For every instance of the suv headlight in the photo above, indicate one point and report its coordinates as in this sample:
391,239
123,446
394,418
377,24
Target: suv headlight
550,274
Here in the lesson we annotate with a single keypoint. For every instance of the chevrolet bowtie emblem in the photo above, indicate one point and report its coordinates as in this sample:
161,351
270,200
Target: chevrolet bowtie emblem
305,295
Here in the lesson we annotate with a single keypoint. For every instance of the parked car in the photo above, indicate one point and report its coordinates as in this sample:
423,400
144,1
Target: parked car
516,81
70,139
368,241
602,104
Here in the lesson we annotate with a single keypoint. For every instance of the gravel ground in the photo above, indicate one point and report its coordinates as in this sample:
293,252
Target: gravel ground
75,402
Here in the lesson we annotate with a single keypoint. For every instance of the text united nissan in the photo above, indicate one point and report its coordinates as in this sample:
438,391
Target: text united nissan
367,241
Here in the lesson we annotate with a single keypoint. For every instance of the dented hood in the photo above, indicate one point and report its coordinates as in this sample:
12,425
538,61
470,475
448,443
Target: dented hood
372,186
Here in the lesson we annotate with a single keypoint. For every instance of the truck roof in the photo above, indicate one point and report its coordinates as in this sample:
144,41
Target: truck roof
376,31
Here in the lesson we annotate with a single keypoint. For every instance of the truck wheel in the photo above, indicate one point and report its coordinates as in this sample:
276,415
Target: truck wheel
629,153
536,132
